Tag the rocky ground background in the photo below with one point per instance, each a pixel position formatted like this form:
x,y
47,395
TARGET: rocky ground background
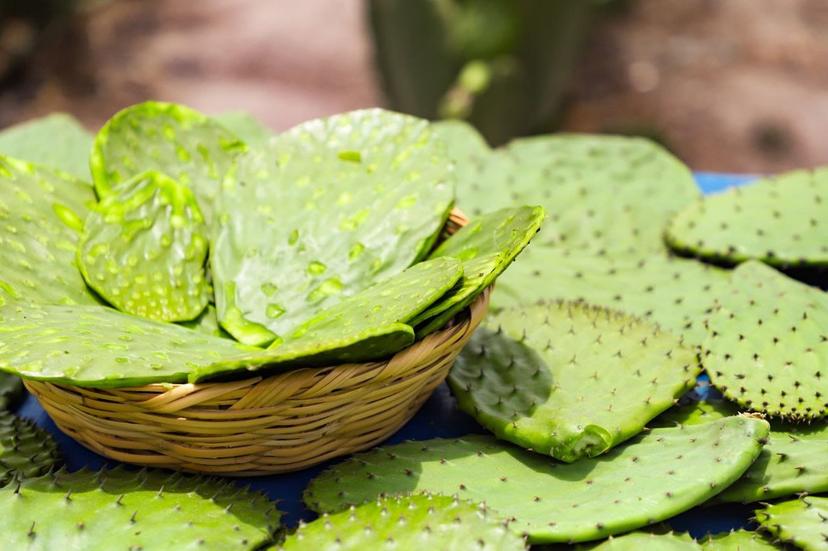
x,y
729,85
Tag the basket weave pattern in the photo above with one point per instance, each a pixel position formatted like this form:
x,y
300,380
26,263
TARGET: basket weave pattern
x,y
262,425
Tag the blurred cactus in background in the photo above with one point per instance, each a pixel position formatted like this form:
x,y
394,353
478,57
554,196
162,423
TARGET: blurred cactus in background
x,y
503,65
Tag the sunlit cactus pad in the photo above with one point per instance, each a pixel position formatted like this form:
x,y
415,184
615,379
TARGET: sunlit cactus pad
x,y
568,379
408,522
782,220
637,541
144,247
604,195
767,344
800,522
327,209
486,246
674,293
169,138
121,509
41,215
57,141
26,450
654,477
738,540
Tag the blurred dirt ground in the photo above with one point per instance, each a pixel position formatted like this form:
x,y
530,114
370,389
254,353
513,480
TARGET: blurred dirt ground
x,y
731,85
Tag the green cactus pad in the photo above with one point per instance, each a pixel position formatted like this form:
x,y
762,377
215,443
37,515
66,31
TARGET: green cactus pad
x,y
655,476
570,380
120,509
11,391
169,138
637,541
738,540
487,246
332,207
782,221
469,152
801,522
794,460
144,247
604,195
410,522
26,450
245,127
57,141
97,346
767,344
41,215
676,294
207,323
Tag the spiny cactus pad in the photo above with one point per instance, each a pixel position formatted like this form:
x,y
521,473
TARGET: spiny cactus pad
x,y
487,246
676,294
172,139
11,391
738,540
767,344
637,541
782,221
120,509
409,522
144,247
801,522
570,380
57,141
655,476
97,346
26,450
330,208
41,215
604,195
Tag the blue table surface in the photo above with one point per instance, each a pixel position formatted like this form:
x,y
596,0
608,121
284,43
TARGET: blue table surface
x,y
439,417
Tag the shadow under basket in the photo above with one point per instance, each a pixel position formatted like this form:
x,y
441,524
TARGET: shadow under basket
x,y
262,425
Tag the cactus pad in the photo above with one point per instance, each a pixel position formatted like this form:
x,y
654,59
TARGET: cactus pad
x,y
549,501
767,344
604,195
801,522
782,221
410,522
11,391
675,293
570,380
246,127
637,541
120,509
57,141
100,347
332,207
144,247
41,215
26,450
207,323
487,246
738,540
169,138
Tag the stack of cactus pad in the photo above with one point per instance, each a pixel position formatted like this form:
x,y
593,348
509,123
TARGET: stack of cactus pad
x,y
197,248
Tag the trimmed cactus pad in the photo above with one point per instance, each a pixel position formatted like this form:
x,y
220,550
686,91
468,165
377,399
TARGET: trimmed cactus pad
x,y
330,208
11,391
801,522
486,246
99,347
169,138
767,344
26,450
676,294
144,247
570,380
411,522
655,476
120,509
245,127
604,195
57,141
738,540
638,541
207,323
782,221
41,215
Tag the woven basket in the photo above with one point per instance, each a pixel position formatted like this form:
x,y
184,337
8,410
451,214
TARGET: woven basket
x,y
262,425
